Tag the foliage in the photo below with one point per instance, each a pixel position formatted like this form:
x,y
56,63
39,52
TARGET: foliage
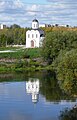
x,y
14,26
56,41
69,114
60,51
65,66
66,63
13,35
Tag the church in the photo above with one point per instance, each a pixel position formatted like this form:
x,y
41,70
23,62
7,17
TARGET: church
x,y
35,36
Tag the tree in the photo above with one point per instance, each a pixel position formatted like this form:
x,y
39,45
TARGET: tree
x,y
65,66
56,41
69,114
15,26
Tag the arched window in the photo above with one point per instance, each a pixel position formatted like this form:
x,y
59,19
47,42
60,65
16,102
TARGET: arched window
x,y
32,35
34,25
36,36
32,43
28,35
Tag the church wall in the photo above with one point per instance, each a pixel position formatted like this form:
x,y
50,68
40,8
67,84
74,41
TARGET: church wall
x,y
32,35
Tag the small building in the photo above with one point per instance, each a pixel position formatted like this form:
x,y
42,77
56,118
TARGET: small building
x,y
35,36
32,87
2,26
42,25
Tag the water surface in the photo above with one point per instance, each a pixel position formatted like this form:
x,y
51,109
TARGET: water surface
x,y
32,98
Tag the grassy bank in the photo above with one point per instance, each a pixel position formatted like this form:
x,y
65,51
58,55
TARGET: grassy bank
x,y
13,68
16,53
21,59
19,52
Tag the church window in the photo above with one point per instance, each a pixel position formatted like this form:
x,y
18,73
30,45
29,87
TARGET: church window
x,y
36,36
28,35
32,35
34,25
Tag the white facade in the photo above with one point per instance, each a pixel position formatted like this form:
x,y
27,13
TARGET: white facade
x,y
35,36
32,87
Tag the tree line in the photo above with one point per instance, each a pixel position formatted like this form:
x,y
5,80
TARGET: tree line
x,y
60,51
13,35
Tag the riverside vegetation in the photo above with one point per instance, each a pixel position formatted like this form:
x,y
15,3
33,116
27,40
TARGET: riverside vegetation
x,y
58,52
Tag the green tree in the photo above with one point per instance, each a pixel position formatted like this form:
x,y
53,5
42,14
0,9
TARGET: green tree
x,y
56,41
69,114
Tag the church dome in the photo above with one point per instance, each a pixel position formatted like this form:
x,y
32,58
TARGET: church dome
x,y
35,20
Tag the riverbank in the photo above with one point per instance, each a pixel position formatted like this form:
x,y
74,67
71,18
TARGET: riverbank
x,y
21,59
23,65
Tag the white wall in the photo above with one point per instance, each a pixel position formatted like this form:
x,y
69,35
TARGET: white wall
x,y
35,25
29,38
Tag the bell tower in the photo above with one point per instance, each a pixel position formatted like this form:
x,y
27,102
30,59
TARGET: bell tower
x,y
35,24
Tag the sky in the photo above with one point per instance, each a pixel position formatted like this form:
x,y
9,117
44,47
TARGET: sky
x,y
22,12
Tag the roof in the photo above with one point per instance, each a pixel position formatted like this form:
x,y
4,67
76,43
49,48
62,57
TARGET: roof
x,y
39,30
35,20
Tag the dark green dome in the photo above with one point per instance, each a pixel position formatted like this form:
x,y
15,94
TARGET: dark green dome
x,y
35,20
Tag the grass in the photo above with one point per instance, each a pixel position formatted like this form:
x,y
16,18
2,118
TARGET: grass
x,y
20,53
33,52
12,55
20,63
8,48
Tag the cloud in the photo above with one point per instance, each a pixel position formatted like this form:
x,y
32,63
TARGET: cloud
x,y
32,9
57,11
11,3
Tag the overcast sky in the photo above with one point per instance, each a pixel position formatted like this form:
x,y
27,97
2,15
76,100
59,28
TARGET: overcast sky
x,y
22,12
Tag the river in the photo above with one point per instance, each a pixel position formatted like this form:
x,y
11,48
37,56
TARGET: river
x,y
35,96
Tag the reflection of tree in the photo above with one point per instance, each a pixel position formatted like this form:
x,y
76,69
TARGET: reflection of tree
x,y
69,114
50,88
69,87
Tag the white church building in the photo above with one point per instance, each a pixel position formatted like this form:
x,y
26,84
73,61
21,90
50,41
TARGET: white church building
x,y
35,36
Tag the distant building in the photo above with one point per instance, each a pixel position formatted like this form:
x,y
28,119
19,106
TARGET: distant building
x,y
60,25
2,26
35,36
45,25
32,87
42,25
48,25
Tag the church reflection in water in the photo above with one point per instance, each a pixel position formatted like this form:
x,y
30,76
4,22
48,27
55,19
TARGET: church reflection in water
x,y
32,87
